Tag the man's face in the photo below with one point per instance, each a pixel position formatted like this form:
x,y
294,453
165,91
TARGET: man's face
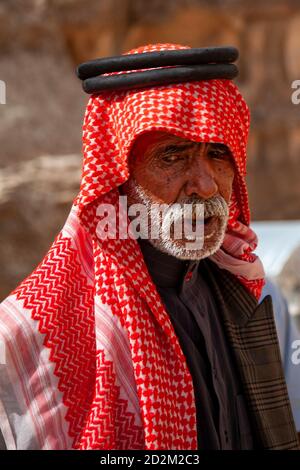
x,y
166,169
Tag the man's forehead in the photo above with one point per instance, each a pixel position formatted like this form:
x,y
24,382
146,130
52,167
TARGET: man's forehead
x,y
161,138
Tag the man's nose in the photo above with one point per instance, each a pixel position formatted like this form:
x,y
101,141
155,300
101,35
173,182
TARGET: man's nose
x,y
201,181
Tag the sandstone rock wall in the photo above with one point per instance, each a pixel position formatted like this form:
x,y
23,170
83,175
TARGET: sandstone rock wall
x,y
41,41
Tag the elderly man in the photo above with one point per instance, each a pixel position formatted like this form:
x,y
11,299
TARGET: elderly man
x,y
152,340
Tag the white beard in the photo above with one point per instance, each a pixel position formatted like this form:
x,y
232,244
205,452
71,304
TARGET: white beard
x,y
178,248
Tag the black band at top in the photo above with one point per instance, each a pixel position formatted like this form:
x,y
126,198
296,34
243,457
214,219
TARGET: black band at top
x,y
192,56
156,77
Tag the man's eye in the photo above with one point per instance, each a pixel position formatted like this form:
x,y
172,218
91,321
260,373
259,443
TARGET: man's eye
x,y
219,154
171,158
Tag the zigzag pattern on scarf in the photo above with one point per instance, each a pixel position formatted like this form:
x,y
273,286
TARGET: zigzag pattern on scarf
x,y
110,425
61,301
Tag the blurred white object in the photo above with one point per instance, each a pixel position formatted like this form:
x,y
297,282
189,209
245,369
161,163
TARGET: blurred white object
x,y
276,242
279,249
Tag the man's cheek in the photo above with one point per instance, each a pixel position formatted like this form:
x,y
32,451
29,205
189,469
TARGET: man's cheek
x,y
226,191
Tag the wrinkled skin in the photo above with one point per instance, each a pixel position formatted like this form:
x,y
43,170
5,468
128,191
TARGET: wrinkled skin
x,y
170,169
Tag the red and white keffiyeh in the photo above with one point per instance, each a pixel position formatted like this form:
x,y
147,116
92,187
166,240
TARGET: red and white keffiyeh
x,y
89,356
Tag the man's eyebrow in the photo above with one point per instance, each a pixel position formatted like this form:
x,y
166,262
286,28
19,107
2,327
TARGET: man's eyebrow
x,y
220,146
173,145
169,146
186,144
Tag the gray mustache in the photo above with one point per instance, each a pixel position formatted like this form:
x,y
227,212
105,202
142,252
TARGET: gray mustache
x,y
215,206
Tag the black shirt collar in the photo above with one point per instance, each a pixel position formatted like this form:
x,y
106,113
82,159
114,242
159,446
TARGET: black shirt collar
x,y
166,270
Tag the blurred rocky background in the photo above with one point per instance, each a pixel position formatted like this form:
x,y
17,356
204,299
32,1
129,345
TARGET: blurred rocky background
x,y
42,41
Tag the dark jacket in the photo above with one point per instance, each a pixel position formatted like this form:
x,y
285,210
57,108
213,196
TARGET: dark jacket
x,y
251,332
